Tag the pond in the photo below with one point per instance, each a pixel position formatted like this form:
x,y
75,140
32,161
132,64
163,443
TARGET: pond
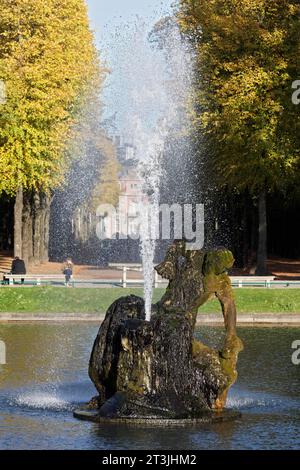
x,y
45,378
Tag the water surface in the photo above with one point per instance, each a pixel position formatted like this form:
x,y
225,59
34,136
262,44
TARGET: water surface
x,y
45,378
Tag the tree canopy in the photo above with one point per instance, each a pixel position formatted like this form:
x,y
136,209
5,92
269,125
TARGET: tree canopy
x,y
247,55
51,71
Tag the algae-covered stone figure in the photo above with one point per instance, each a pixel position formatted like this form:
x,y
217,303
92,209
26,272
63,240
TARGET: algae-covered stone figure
x,y
158,370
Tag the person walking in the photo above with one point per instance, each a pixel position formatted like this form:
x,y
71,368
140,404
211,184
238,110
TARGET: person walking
x,y
68,272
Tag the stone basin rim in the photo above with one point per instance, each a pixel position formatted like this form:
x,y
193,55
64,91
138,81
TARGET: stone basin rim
x,y
207,418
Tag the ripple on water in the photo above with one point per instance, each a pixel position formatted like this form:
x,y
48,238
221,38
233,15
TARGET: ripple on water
x,y
40,400
261,403
250,402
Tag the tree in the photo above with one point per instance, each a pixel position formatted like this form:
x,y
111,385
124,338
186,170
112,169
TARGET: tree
x,y
49,64
91,180
247,56
51,70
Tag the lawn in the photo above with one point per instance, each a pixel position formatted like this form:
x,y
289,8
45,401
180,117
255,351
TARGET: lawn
x,y
93,300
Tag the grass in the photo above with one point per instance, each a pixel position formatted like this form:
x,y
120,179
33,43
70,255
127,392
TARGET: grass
x,y
91,300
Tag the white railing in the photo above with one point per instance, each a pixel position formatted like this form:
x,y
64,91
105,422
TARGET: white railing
x,y
125,280
236,281
240,281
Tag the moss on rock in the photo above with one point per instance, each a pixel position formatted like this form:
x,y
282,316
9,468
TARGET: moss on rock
x,y
158,369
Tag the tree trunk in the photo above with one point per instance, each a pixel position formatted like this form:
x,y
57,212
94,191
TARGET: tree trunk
x,y
45,254
36,227
261,268
31,226
27,252
41,209
18,210
245,235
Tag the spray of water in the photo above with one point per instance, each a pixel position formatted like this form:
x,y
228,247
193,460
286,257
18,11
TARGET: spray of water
x,y
155,84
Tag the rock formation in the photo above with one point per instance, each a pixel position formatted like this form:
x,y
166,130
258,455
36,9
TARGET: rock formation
x,y
158,369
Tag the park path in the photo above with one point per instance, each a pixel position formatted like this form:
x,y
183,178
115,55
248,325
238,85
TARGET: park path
x,y
279,267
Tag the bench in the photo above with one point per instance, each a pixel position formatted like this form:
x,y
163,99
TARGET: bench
x,y
128,266
125,267
37,278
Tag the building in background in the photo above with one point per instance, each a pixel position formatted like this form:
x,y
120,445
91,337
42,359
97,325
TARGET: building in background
x,y
131,197
118,240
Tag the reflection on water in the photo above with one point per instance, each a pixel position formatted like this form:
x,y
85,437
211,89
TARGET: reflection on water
x,y
45,378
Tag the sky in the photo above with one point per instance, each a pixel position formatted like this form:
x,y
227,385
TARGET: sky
x,y
112,22
106,15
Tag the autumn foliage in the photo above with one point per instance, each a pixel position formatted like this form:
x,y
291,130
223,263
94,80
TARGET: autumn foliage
x,y
50,68
247,57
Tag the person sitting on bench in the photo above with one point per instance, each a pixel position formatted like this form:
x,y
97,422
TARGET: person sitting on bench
x,y
18,267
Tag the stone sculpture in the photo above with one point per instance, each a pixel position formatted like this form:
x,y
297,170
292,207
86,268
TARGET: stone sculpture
x,y
158,370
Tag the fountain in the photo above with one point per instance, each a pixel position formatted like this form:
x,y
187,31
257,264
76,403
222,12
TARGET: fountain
x,y
154,86
156,371
146,364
